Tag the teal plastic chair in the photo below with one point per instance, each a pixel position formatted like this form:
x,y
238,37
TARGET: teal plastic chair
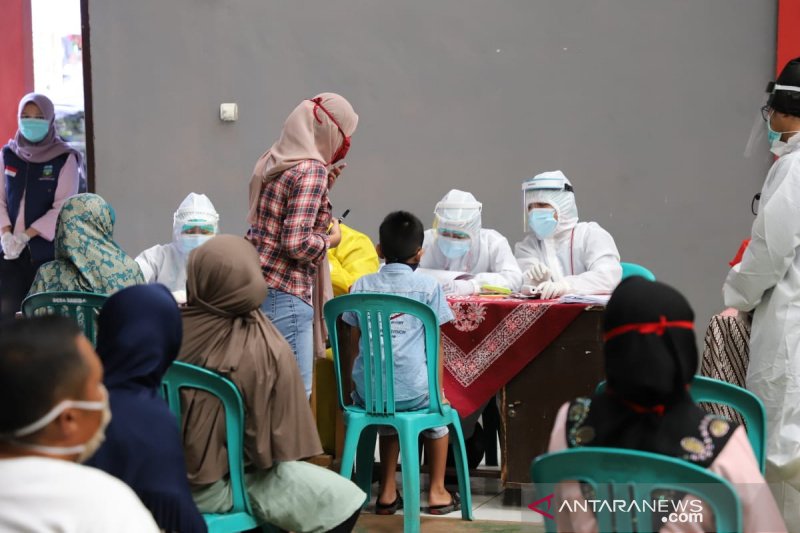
x,y
374,312
185,376
82,307
705,389
633,476
632,269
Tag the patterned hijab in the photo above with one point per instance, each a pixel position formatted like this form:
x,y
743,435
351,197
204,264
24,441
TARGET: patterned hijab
x,y
651,359
87,258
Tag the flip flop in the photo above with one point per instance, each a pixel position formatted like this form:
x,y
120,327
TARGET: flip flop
x,y
389,508
454,505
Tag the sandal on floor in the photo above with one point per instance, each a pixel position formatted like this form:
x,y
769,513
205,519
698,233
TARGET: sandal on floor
x,y
454,505
389,508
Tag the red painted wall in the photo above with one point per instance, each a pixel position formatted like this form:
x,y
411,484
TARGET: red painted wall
x,y
788,32
16,43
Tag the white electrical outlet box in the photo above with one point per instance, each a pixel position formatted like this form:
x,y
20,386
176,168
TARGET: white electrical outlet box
x,y
228,112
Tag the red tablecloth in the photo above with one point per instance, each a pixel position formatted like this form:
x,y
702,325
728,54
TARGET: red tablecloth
x,y
491,340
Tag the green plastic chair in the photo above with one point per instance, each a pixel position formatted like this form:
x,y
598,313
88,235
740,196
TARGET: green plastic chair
x,y
82,307
185,376
374,312
632,269
633,476
705,389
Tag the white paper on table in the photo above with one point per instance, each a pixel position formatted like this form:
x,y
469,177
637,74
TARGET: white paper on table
x,y
443,276
594,299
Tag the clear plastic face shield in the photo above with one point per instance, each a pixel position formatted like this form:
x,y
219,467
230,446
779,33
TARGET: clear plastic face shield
x,y
532,190
457,224
192,227
758,133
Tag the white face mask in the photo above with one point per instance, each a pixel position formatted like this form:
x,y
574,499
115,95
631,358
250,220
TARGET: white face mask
x,y
85,450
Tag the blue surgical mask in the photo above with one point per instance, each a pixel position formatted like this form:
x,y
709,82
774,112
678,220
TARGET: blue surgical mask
x,y
188,243
453,248
34,129
772,135
542,220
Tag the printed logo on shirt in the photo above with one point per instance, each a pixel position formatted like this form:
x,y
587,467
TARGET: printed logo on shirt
x,y
11,171
47,173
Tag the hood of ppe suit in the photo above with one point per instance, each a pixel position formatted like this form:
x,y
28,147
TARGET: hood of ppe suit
x,y
197,210
460,212
548,188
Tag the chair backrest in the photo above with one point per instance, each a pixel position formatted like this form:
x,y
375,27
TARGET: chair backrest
x,y
185,376
374,312
82,307
705,389
632,269
633,476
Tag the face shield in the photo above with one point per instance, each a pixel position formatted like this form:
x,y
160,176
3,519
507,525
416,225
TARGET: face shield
x,y
783,101
554,189
457,223
195,222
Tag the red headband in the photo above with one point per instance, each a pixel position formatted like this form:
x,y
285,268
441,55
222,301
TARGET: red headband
x,y
648,328
318,104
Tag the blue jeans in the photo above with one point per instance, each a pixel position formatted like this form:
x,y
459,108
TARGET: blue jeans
x,y
294,318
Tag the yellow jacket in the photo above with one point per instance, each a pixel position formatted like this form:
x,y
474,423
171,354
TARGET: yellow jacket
x,y
354,257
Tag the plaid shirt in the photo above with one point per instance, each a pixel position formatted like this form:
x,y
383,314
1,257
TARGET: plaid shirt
x,y
290,233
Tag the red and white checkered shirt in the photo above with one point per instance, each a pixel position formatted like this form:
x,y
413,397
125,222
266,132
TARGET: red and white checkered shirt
x,y
290,233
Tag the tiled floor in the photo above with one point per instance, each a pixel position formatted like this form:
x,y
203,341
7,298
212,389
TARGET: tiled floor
x,y
493,508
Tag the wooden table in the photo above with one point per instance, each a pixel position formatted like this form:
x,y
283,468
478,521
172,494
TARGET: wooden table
x,y
569,367
534,356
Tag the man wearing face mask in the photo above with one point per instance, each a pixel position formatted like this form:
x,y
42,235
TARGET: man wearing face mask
x,y
461,255
55,416
767,281
194,223
561,255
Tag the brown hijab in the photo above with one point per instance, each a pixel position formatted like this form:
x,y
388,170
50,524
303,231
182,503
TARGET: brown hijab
x,y
308,133
225,331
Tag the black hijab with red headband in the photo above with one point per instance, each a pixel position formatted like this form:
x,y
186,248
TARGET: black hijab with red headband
x,y
650,359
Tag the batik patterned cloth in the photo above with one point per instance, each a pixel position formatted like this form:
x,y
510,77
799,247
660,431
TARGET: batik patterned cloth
x,y
87,258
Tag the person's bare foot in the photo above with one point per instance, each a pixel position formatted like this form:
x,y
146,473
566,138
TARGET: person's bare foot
x,y
437,497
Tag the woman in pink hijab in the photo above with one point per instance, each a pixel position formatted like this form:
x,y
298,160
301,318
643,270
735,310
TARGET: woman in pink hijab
x,y
40,172
290,215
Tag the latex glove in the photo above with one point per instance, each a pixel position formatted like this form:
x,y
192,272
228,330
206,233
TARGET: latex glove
x,y
8,242
537,273
461,287
22,241
553,289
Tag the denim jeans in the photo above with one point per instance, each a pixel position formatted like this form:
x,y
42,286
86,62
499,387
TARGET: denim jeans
x,y
294,318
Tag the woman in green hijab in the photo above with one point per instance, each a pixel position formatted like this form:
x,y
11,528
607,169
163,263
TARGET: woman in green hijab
x,y
87,258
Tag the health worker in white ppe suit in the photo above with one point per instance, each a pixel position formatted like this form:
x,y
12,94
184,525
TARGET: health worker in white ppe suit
x,y
461,255
561,255
767,281
195,222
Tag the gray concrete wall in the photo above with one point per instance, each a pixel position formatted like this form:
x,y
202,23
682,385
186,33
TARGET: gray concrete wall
x,y
645,104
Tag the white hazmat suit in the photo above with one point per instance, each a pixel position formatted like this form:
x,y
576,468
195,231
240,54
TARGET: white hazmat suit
x,y
768,281
578,257
166,263
486,257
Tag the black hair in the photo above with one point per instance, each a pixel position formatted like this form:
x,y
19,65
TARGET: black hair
x,y
400,236
40,365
